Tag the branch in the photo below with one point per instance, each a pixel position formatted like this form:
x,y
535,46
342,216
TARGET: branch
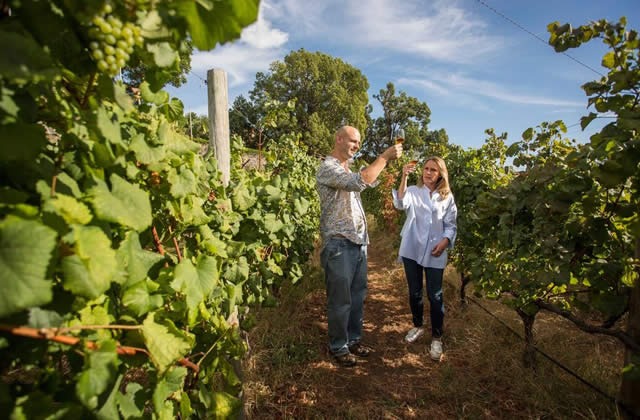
x,y
157,240
592,329
46,334
86,93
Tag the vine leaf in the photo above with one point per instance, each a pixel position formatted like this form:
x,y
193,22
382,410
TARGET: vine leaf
x,y
196,282
21,141
135,261
165,342
23,60
90,271
25,252
220,23
70,209
99,371
172,382
182,183
125,204
144,152
132,402
163,54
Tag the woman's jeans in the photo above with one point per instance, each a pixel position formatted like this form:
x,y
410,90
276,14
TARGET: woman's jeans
x,y
345,274
413,271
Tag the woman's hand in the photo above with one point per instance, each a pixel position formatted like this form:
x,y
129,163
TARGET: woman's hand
x,y
407,169
440,247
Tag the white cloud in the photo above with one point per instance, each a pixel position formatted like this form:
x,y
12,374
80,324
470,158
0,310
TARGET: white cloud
x,y
460,86
259,46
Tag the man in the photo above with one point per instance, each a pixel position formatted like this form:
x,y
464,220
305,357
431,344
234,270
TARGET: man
x,y
344,241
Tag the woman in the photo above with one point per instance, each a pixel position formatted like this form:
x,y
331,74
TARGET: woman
x,y
429,230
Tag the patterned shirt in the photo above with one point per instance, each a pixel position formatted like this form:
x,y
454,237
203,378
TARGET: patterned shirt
x,y
342,211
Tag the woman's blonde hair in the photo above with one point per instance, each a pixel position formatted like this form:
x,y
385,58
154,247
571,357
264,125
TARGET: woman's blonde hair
x,y
442,186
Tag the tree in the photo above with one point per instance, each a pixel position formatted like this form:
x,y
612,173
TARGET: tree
x,y
328,93
399,111
244,117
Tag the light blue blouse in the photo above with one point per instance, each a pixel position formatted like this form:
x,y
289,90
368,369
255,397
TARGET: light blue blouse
x,y
429,220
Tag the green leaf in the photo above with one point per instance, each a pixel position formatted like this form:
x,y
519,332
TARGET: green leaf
x,y
125,204
159,98
242,198
585,121
139,301
163,54
99,372
222,23
90,271
172,382
225,405
196,282
21,142
109,409
23,60
166,343
40,318
185,406
239,272
109,126
174,109
132,402
211,243
70,209
274,194
134,260
25,252
145,153
182,183
609,60
272,223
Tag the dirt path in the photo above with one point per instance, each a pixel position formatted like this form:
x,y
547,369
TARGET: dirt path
x,y
293,376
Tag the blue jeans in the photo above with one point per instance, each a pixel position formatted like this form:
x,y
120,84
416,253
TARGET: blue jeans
x,y
413,270
345,274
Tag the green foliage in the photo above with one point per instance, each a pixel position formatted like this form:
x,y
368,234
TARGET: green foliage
x,y
93,186
399,111
328,93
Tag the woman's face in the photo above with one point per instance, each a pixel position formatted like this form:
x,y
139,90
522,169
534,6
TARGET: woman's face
x,y
430,174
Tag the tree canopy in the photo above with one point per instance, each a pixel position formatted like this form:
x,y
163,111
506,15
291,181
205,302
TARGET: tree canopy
x,y
327,93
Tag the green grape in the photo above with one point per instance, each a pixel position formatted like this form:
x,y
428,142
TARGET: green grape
x,y
98,21
110,59
107,8
115,31
113,69
121,54
94,45
110,39
97,54
121,63
130,40
129,50
126,32
139,40
102,65
122,44
109,50
114,21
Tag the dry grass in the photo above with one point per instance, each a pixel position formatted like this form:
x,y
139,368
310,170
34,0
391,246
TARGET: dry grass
x,y
289,373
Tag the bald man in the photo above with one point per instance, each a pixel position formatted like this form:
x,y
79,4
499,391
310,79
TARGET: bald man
x,y
343,227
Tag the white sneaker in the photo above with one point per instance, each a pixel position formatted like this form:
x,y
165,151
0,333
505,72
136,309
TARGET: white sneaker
x,y
436,349
414,334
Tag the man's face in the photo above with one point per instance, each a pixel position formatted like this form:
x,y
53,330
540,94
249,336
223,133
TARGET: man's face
x,y
349,143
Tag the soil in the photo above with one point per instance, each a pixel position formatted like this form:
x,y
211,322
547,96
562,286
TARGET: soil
x,y
475,378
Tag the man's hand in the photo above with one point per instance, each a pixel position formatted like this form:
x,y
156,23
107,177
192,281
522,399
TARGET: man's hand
x,y
440,247
394,152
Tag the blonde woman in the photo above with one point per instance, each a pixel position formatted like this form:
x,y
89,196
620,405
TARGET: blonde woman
x,y
430,229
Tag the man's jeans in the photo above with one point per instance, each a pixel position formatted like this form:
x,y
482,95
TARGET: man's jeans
x,y
413,270
345,273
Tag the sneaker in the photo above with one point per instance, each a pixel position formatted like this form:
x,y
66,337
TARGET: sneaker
x,y
436,349
346,360
360,350
414,334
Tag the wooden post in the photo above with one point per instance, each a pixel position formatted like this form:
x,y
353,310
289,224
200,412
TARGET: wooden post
x,y
219,121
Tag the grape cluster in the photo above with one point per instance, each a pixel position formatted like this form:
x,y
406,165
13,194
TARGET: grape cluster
x,y
112,41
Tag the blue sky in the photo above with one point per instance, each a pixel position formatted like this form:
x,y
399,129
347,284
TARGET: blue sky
x,y
472,67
